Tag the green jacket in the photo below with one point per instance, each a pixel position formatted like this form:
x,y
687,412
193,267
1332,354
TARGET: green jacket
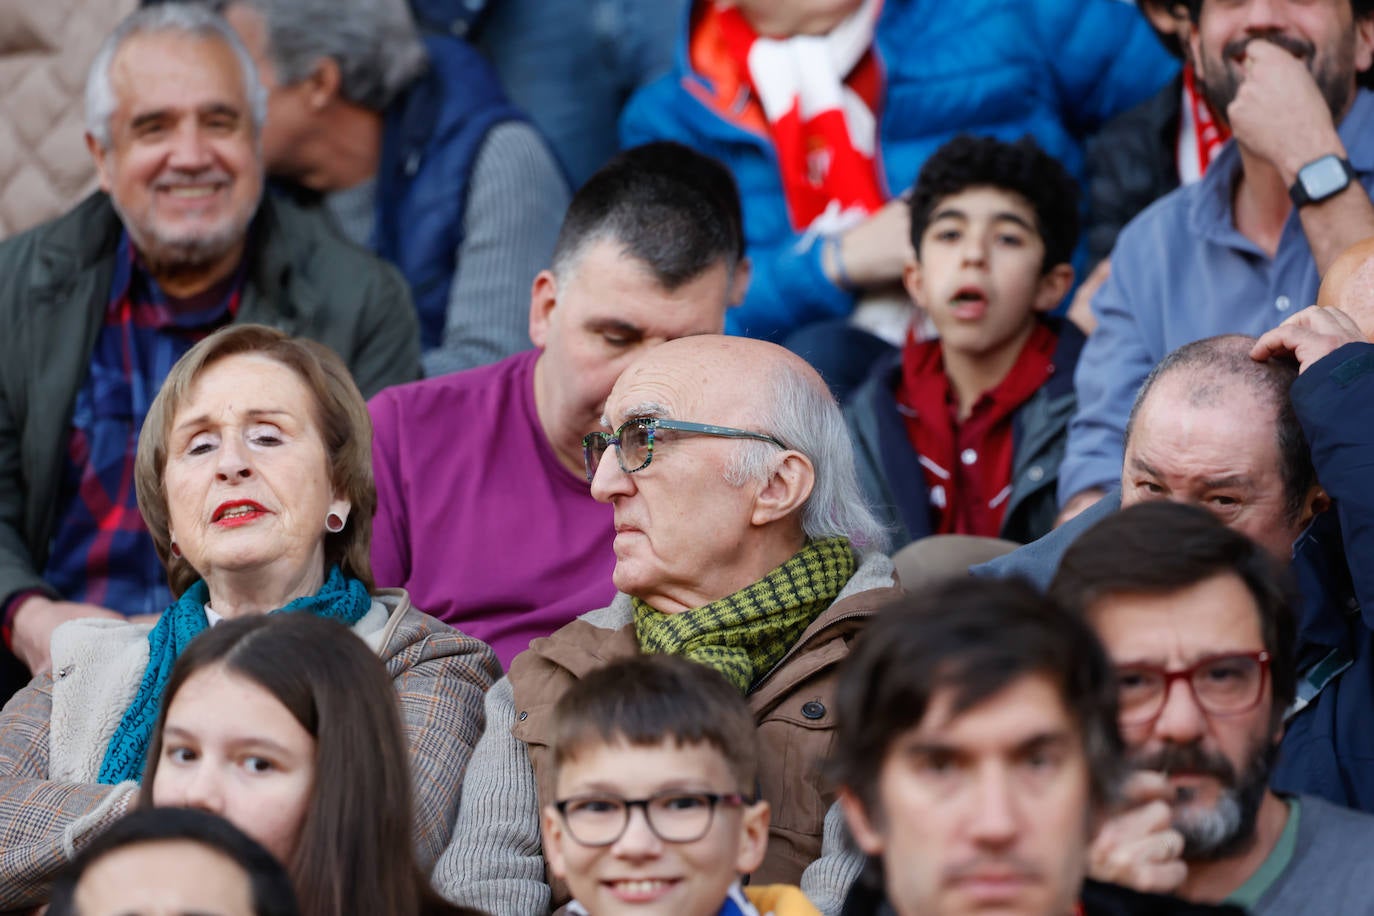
x,y
54,289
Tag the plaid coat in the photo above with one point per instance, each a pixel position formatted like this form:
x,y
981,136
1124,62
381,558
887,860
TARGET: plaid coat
x,y
53,734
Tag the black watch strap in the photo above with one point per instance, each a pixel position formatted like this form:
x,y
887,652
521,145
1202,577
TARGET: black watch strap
x,y
1325,186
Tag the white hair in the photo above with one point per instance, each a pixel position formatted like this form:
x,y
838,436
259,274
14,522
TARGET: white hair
x,y
804,417
373,42
192,19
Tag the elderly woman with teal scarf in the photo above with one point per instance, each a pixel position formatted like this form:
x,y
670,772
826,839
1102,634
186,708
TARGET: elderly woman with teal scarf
x,y
254,477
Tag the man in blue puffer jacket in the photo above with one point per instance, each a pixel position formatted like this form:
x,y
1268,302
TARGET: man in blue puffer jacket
x,y
929,69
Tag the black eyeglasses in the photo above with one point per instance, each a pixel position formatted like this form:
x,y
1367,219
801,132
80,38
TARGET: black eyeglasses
x,y
674,816
1223,685
634,441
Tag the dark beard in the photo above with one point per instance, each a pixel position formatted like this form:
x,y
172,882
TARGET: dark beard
x,y
1239,804
1220,81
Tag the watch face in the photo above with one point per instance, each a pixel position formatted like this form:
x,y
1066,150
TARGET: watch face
x,y
1323,178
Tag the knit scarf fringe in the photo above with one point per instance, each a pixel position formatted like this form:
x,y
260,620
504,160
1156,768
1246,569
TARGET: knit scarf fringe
x,y
745,634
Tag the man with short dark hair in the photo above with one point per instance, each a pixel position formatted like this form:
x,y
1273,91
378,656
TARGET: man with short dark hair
x,y
977,750
483,509
1247,244
1200,627
170,862
98,304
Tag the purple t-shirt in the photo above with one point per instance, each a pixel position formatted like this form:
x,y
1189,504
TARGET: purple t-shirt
x,y
476,517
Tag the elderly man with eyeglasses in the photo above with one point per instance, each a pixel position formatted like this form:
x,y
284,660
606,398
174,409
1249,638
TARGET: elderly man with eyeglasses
x,y
741,542
1199,623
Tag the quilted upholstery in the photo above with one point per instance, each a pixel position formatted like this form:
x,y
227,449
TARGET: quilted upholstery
x,y
46,47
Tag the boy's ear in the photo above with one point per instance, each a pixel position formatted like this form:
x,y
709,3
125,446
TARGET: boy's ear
x,y
1053,287
551,828
911,281
753,839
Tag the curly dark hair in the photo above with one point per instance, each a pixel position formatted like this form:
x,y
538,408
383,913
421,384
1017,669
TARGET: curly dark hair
x,y
1022,167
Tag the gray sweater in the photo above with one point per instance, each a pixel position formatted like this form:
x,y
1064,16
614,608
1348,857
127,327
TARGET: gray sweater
x,y
1329,870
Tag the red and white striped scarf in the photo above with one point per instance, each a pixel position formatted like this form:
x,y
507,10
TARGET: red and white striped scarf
x,y
812,90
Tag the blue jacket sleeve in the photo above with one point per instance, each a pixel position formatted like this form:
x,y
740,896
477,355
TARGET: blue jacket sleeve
x,y
1334,401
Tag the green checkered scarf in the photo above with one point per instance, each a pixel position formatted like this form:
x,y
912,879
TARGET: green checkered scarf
x,y
745,634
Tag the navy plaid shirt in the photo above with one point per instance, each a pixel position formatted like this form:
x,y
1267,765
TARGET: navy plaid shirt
x,y
102,553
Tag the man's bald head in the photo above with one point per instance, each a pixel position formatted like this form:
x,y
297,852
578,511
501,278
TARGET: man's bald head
x,y
1349,285
763,387
1208,373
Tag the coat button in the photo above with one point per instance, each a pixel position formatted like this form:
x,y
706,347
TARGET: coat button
x,y
523,716
1035,473
813,709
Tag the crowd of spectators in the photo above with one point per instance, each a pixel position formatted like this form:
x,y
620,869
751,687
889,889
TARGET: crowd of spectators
x,y
931,488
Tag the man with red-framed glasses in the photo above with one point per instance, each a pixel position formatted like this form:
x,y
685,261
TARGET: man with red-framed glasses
x,y
1198,621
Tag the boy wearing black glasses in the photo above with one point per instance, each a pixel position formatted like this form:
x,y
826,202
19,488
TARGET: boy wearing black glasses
x,y
655,804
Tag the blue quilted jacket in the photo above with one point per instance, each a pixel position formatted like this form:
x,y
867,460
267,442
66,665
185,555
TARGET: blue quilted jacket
x,y
430,142
1054,69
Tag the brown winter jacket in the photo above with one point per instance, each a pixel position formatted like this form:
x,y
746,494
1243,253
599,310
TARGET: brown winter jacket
x,y
794,706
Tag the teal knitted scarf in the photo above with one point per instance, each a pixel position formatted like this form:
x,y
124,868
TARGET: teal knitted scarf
x,y
340,598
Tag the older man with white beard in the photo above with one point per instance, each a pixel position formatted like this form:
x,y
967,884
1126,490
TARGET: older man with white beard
x,y
1199,623
98,304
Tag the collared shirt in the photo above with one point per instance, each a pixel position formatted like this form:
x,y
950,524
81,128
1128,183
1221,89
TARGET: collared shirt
x,y
101,552
967,463
1181,271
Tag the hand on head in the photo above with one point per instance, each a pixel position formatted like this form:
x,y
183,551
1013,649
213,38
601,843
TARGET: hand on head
x,y
1308,336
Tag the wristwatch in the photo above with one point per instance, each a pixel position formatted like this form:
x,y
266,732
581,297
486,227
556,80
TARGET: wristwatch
x,y
1320,179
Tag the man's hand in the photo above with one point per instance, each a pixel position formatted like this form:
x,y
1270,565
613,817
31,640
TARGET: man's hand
x,y
1137,847
1080,501
875,251
1308,336
1279,113
36,618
